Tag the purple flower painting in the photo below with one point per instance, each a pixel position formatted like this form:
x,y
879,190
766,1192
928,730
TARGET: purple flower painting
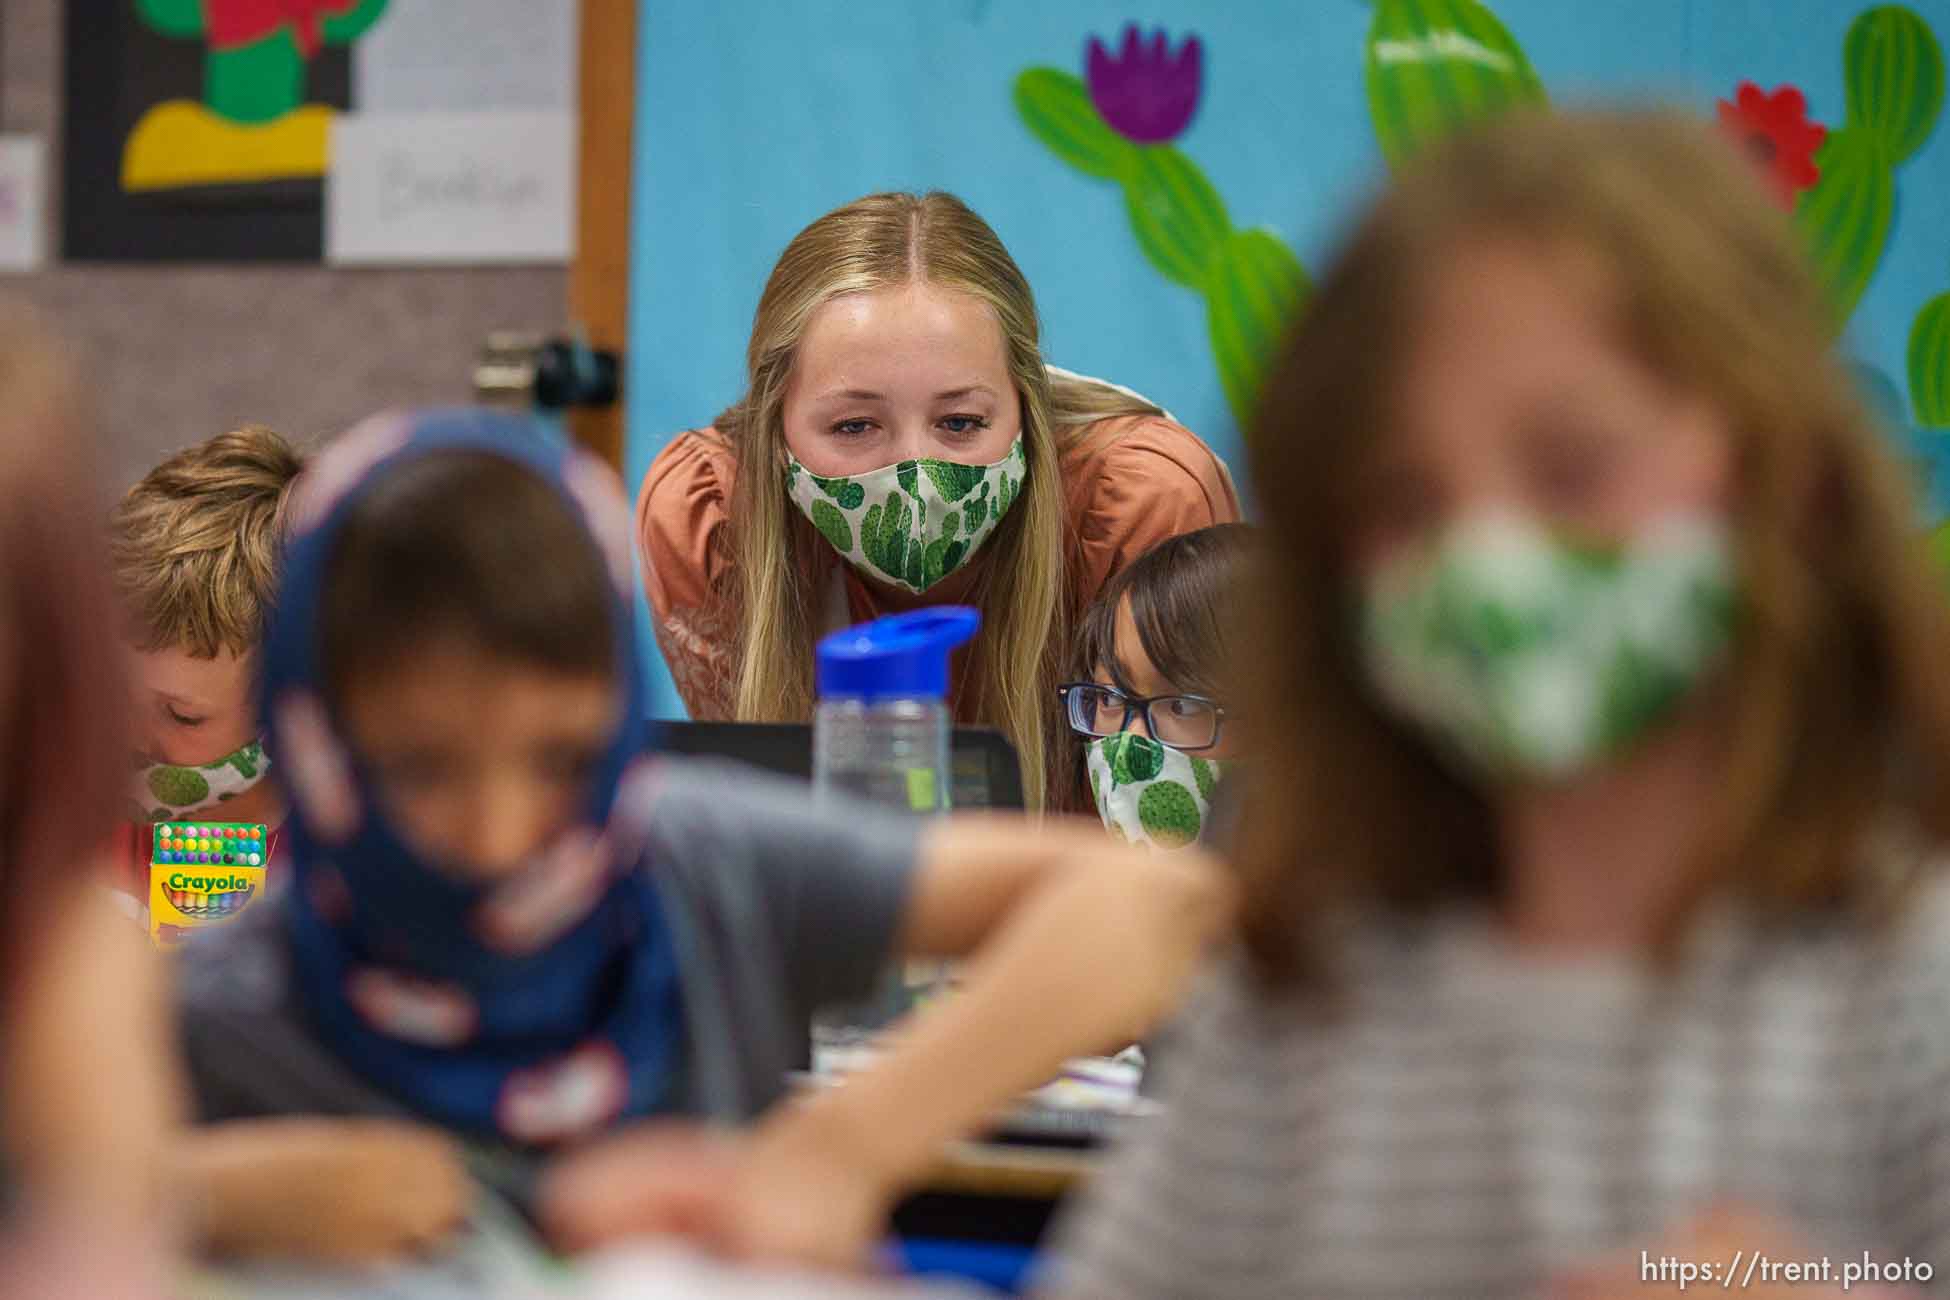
x,y
1146,92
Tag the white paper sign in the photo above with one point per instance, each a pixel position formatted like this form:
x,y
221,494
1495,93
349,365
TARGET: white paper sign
x,y
23,201
450,189
446,56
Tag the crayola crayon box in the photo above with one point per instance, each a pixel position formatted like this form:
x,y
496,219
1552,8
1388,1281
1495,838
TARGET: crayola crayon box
x,y
202,873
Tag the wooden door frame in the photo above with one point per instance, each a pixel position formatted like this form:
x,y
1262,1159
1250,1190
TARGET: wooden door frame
x,y
599,274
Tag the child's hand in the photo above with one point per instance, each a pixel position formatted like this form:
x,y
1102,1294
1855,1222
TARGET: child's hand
x,y
783,1194
332,1190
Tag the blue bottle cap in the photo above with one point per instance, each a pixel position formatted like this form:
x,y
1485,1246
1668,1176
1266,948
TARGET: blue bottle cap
x,y
900,655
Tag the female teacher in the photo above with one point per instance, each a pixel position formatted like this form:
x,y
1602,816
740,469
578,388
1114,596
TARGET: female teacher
x,y
902,443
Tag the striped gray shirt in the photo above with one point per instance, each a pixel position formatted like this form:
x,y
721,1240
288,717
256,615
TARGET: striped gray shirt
x,y
1472,1121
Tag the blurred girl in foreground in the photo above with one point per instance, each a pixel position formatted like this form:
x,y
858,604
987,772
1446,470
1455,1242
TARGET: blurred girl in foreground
x,y
1602,761
86,1097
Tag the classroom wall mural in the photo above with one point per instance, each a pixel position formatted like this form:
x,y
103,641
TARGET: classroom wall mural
x,y
1167,172
1428,68
1118,126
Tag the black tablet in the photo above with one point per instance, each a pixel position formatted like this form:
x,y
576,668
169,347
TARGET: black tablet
x,y
986,772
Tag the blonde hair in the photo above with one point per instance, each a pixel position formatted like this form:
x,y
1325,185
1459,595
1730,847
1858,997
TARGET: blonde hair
x,y
195,544
877,242
1839,701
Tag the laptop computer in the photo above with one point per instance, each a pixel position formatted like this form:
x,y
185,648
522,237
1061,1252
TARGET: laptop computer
x,y
985,772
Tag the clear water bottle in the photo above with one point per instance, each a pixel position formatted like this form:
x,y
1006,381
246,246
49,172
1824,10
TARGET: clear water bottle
x,y
881,732
882,727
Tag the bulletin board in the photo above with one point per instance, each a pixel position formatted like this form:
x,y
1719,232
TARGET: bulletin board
x,y
1170,175
360,132
176,352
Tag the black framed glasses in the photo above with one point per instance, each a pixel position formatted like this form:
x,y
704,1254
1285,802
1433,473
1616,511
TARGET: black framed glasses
x,y
1181,721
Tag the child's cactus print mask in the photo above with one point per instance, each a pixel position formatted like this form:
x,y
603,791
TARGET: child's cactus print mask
x,y
1148,793
1533,658
914,522
166,791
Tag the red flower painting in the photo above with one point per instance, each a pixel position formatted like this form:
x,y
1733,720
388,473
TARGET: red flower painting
x,y
1775,129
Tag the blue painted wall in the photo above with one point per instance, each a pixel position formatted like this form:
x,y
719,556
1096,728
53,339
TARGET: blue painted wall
x,y
753,118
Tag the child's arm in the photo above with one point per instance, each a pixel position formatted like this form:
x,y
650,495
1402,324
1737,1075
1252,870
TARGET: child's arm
x,y
975,869
88,1103
1088,945
334,1190
1078,945
87,1077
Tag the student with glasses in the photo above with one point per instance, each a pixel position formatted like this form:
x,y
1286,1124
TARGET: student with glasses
x,y
1154,708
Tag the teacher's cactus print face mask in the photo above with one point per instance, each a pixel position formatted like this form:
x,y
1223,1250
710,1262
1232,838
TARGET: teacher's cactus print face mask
x,y
914,522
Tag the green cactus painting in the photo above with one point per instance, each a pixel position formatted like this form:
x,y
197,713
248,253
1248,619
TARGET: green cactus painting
x,y
1892,69
1117,124
1895,93
1894,85
1841,187
1928,438
1431,66
1929,364
1434,65
253,123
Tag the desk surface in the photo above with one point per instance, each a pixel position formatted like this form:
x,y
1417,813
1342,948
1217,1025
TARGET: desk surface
x,y
641,1272
986,1168
499,1258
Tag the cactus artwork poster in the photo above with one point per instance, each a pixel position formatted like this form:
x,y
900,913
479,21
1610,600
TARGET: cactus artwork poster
x,y
253,121
203,129
196,129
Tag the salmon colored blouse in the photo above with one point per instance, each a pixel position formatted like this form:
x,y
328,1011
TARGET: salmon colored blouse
x,y
1129,483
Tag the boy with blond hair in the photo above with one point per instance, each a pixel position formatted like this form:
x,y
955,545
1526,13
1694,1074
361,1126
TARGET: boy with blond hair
x,y
195,548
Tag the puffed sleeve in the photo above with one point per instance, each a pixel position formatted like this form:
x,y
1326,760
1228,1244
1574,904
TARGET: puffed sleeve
x,y
684,546
1132,482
